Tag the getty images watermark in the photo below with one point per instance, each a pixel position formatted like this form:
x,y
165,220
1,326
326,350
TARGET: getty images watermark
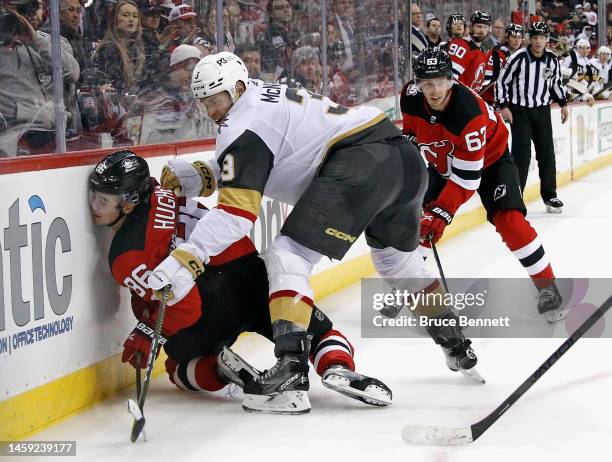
x,y
398,300
503,308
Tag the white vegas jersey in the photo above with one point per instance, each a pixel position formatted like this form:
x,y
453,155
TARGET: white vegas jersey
x,y
298,128
273,141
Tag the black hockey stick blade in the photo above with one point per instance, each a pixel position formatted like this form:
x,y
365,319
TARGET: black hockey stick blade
x,y
451,436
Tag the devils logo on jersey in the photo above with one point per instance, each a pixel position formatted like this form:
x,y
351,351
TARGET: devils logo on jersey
x,y
478,78
439,155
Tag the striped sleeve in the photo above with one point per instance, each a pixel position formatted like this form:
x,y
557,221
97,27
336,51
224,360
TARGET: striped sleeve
x,y
507,75
557,89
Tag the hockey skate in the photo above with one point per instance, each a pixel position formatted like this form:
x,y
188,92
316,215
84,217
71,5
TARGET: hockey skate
x,y
360,387
457,350
549,304
554,205
233,369
281,389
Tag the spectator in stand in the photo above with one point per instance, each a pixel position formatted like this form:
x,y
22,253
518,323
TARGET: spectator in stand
x,y
306,70
70,29
280,39
418,38
344,29
156,56
517,16
339,82
434,31
591,16
251,57
121,55
497,35
586,33
184,20
27,112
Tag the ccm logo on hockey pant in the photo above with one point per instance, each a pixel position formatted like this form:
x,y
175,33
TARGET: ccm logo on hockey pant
x,y
340,235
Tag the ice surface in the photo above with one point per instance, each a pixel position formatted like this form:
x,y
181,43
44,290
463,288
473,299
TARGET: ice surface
x,y
564,417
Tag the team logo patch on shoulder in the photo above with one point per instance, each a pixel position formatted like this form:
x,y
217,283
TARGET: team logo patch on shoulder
x,y
548,73
499,192
412,90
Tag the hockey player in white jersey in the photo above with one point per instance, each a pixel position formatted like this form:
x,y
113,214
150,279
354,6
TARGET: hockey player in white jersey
x,y
344,171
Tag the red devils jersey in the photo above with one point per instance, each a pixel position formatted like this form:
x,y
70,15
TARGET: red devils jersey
x,y
497,59
469,62
459,143
144,240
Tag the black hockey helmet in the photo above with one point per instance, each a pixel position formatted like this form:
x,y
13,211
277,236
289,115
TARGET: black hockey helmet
x,y
480,17
431,63
122,173
538,28
454,19
514,29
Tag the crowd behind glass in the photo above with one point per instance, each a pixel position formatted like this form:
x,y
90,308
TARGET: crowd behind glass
x,y
126,65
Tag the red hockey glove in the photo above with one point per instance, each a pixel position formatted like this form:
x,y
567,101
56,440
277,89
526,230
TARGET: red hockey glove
x,y
434,220
140,341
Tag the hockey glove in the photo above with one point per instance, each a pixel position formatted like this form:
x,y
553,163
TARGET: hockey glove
x,y
139,341
434,220
179,270
190,180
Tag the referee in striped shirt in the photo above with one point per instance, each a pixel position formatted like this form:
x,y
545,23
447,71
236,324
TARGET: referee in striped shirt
x,y
527,85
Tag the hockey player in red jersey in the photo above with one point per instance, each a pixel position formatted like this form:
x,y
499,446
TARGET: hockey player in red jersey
x,y
497,60
469,59
455,26
229,298
466,146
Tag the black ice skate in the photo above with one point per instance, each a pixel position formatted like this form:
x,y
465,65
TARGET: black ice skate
x,y
282,389
233,369
360,387
549,304
554,205
461,357
459,354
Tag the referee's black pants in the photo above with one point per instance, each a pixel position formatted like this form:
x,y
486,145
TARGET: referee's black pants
x,y
534,124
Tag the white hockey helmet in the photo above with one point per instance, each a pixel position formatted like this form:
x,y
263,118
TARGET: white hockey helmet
x,y
604,50
217,73
583,43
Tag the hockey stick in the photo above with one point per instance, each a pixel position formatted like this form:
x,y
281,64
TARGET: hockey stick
x,y
452,436
437,257
138,375
137,410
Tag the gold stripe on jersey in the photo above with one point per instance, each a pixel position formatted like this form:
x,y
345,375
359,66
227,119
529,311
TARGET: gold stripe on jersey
x,y
248,200
288,309
351,132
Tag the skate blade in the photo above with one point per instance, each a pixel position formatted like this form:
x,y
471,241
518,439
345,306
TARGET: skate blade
x,y
288,402
554,316
342,386
473,374
550,209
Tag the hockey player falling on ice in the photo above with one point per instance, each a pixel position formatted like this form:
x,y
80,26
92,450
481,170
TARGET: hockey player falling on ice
x,y
469,59
229,298
344,171
466,146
